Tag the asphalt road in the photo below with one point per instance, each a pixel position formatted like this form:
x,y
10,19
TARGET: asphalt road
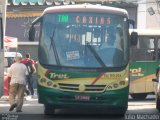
x,y
141,109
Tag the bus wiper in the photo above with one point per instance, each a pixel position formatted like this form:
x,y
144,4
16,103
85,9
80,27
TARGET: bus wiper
x,y
53,46
95,54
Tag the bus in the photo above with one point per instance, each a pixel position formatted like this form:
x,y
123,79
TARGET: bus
x,y
75,68
145,58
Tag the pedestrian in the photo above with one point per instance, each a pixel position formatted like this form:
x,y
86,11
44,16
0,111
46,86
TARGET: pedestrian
x,y
17,80
158,72
30,64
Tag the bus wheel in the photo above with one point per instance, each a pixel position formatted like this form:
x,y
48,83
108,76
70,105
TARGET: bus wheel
x,y
139,96
158,103
121,114
49,109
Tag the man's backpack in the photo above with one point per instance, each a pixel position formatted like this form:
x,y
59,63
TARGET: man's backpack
x,y
29,67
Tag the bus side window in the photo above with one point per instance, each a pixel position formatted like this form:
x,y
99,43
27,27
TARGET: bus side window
x,y
151,49
144,50
137,52
158,49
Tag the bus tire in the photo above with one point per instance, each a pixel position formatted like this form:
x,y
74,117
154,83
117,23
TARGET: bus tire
x,y
158,103
139,96
121,114
49,109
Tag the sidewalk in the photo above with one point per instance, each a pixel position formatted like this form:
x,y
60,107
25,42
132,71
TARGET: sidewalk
x,y
30,106
26,98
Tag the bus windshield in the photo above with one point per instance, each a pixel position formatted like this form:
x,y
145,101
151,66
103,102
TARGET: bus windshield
x,y
84,40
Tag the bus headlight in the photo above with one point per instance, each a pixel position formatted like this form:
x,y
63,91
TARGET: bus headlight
x,y
122,83
115,85
109,87
39,76
49,83
55,85
43,80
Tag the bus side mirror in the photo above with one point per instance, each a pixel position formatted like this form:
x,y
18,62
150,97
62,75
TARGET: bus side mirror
x,y
32,33
155,80
134,38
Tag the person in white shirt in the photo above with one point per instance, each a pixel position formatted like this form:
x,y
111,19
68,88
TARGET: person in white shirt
x,y
113,51
17,80
110,42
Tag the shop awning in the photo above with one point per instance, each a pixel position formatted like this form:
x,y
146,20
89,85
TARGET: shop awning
x,y
10,42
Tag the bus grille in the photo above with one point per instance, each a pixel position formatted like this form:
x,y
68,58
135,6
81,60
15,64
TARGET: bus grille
x,y
76,88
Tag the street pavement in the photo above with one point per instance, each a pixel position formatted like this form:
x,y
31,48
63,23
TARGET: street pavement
x,y
31,106
28,103
33,110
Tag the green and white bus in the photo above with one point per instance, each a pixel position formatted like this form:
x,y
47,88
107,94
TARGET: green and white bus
x,y
75,69
145,58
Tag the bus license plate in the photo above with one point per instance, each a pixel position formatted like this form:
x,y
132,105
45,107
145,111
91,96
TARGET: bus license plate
x,y
82,97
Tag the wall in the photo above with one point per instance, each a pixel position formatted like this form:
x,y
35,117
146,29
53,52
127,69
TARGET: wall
x,y
153,21
145,20
19,27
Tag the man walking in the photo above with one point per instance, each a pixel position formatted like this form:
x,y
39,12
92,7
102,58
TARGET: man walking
x,y
17,80
31,69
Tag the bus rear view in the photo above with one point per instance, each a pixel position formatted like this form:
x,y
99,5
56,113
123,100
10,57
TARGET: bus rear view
x,y
83,57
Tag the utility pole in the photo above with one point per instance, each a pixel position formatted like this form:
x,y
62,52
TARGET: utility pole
x,y
3,4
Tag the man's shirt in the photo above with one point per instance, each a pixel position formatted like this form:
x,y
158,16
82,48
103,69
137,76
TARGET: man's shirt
x,y
25,60
18,73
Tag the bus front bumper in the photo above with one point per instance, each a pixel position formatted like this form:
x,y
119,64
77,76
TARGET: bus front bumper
x,y
61,99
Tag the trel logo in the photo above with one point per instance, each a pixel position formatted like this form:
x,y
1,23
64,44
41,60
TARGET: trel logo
x,y
53,75
136,72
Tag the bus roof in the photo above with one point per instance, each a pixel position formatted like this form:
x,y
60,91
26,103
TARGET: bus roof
x,y
86,7
146,32
11,54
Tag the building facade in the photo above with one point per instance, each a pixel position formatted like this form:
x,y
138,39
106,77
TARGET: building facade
x,y
153,20
148,14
